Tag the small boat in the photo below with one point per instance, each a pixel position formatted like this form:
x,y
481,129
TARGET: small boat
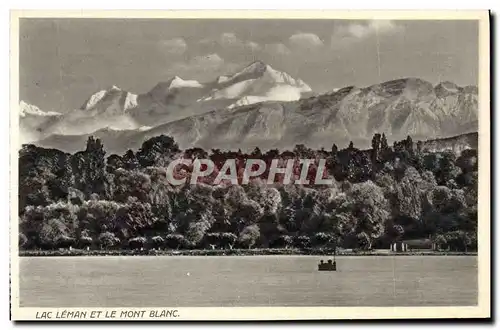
x,y
327,266
330,265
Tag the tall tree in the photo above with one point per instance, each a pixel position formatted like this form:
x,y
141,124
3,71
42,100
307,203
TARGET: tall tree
x,y
89,168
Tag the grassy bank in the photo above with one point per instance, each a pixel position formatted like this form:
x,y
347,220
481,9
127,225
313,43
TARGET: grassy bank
x,y
234,252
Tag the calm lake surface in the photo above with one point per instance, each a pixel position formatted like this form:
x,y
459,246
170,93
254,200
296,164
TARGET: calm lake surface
x,y
247,281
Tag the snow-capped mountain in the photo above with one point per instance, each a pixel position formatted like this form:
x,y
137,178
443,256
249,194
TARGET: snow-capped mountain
x,y
31,118
258,82
26,110
397,108
178,82
176,99
107,98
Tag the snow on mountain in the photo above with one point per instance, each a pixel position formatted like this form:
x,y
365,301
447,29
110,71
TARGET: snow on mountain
x,y
175,99
221,79
260,69
260,106
111,97
26,109
31,118
130,101
178,82
397,108
105,108
278,93
258,83
92,101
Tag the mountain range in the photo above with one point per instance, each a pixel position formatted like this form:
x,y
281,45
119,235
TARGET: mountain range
x,y
257,106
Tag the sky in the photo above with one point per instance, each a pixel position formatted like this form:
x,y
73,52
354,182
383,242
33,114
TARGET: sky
x,y
64,61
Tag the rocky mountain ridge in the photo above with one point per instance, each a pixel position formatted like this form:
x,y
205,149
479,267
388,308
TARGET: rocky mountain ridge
x,y
260,106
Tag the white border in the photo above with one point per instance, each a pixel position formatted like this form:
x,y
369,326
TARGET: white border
x,y
290,313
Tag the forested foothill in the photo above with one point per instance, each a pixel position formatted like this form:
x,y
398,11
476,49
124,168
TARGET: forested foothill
x,y
379,196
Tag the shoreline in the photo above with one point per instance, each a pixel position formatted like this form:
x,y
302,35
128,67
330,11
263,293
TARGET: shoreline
x,y
234,252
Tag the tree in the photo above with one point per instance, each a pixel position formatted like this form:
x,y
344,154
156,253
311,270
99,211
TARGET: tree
x,y
431,162
364,241
302,242
467,161
228,240
45,175
383,143
394,232
133,219
157,242
406,201
75,196
175,241
128,184
321,239
458,240
384,194
269,199
196,230
85,241
213,240
157,151
419,146
440,241
23,241
283,241
161,205
97,216
375,152
64,241
249,236
335,149
130,161
446,201
472,236
367,204
137,242
108,240
52,231
256,152
247,214
448,171
89,168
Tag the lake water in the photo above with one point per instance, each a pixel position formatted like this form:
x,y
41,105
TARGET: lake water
x,y
247,281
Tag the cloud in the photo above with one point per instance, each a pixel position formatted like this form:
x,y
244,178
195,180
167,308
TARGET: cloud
x,y
200,63
284,93
203,65
175,46
253,46
229,40
277,49
209,60
356,31
305,41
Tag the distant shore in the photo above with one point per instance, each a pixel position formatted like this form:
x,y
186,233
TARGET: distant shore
x,y
234,252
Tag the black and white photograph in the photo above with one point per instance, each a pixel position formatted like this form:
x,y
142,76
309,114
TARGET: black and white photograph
x,y
175,167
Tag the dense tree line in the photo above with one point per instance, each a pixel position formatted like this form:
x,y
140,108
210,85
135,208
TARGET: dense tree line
x,y
379,196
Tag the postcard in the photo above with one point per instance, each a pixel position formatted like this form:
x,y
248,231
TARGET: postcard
x,y
250,165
